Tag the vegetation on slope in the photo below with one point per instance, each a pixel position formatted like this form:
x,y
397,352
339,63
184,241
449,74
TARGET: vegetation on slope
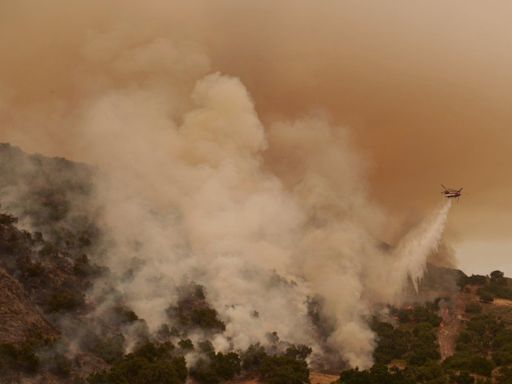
x,y
407,352
47,275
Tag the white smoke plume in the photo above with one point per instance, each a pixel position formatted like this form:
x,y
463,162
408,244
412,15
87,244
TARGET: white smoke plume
x,y
262,218
195,188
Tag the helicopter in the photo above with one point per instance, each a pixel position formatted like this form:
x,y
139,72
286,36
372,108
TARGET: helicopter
x,y
451,193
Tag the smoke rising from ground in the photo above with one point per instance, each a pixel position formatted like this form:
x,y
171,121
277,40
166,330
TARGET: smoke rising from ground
x,y
195,186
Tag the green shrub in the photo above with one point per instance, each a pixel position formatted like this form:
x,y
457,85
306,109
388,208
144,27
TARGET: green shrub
x,y
419,314
474,363
206,347
504,375
463,378
205,318
253,358
393,342
193,311
30,268
148,364
481,366
110,348
378,374
213,367
65,300
502,358
299,352
18,358
283,369
48,249
186,344
82,267
485,296
496,275
60,365
6,219
124,315
473,308
476,280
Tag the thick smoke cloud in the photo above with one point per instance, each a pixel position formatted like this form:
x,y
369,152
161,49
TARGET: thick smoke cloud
x,y
200,183
423,88
193,200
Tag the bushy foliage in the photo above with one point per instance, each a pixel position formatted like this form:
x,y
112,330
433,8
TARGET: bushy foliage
x,y
465,361
211,367
214,368
482,336
424,346
253,357
65,300
473,308
148,364
298,352
487,335
6,219
289,367
56,362
426,313
496,285
108,348
463,377
393,342
83,268
186,344
123,315
485,296
497,275
49,249
432,373
499,286
473,280
479,334
416,345
18,358
484,343
193,311
29,268
284,369
378,374
504,375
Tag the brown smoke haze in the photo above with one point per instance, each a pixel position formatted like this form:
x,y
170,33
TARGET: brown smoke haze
x,y
288,136
425,87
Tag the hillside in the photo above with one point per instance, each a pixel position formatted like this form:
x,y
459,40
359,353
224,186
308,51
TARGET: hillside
x,y
62,322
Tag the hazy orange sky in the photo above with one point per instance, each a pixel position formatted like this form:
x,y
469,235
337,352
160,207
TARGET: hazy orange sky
x,y
425,87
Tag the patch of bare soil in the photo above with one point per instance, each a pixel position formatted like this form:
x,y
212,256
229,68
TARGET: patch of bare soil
x,y
451,315
502,302
322,378
314,378
19,318
244,381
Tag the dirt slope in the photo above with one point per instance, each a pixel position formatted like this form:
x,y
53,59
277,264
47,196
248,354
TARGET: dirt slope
x,y
19,318
314,377
451,315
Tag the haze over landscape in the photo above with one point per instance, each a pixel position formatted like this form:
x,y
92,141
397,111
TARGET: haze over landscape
x,y
424,88
280,162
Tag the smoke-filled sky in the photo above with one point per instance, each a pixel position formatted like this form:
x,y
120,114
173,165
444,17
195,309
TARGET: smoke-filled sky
x,y
266,149
423,87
